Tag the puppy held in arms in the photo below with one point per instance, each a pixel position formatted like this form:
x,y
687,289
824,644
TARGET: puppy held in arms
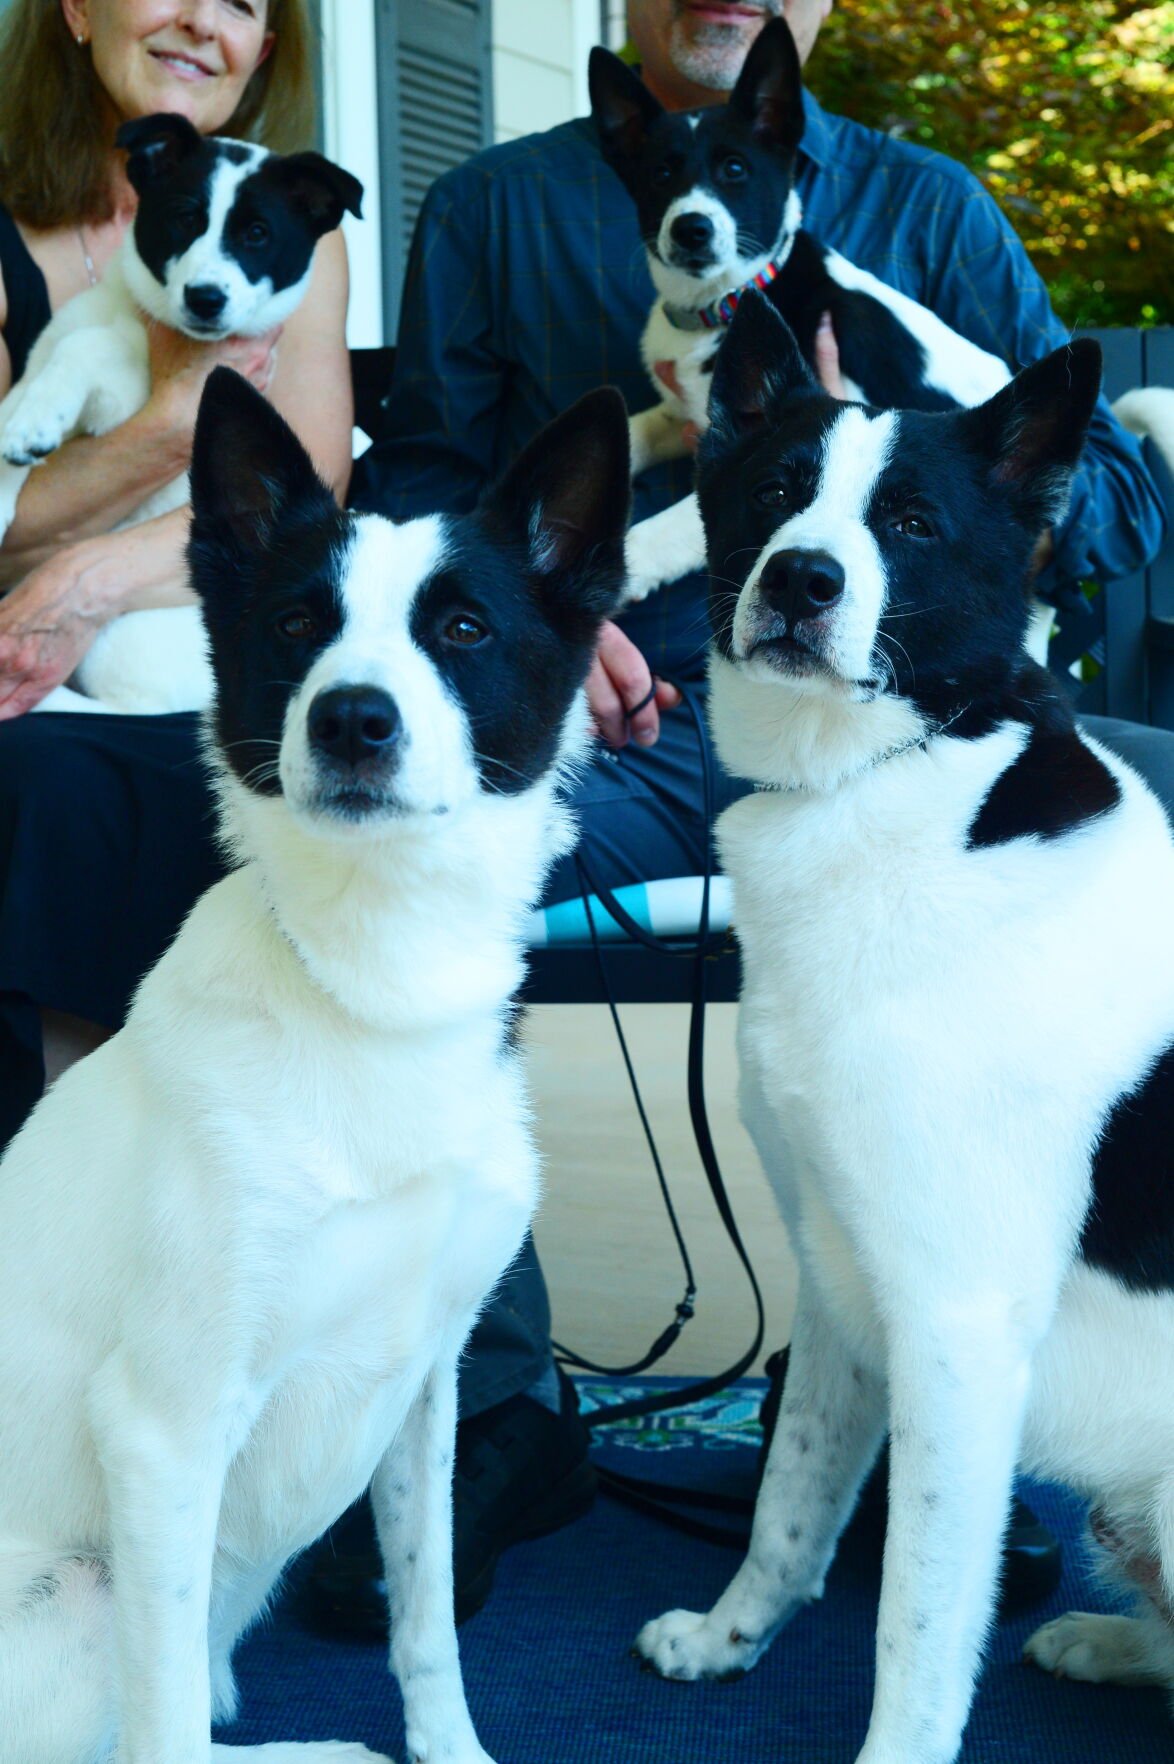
x,y
969,1132
222,244
242,1245
719,212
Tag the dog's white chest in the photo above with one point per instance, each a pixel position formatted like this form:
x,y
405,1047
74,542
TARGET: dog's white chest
x,y
367,1294
680,364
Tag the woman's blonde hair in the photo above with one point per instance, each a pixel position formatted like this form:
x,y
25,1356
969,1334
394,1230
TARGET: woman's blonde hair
x,y
54,122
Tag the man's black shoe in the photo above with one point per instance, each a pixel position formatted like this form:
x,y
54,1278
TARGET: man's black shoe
x,y
1032,1558
521,1471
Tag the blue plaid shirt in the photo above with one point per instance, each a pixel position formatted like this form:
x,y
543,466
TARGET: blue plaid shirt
x,y
527,286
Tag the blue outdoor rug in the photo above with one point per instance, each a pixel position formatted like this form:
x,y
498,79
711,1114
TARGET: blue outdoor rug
x,y
550,1679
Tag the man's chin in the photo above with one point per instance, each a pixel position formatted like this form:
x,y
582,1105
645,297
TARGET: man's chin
x,y
709,49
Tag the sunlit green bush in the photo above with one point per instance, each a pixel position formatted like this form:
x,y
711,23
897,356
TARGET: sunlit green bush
x,y
1065,111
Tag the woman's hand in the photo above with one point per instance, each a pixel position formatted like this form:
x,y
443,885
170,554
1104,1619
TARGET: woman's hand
x,y
180,366
625,700
47,623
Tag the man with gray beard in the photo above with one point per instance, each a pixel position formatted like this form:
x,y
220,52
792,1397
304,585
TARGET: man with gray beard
x,y
691,50
527,287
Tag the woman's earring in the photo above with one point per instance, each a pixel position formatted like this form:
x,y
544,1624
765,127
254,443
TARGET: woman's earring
x,y
81,39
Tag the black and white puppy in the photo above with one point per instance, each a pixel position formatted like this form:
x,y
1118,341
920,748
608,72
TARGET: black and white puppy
x,y
969,1133
242,1245
221,245
719,212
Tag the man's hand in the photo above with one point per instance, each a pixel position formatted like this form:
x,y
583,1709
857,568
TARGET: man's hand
x,y
827,372
625,700
827,360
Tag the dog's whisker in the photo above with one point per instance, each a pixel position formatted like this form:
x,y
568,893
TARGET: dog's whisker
x,y
501,765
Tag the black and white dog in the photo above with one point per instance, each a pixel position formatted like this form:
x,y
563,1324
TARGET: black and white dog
x,y
242,1245
221,245
970,1131
718,211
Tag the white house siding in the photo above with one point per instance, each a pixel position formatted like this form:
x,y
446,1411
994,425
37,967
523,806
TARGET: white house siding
x,y
540,50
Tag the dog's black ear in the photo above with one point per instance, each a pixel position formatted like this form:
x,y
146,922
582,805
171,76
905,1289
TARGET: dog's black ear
x,y
759,368
565,500
1033,431
622,107
156,145
769,90
248,472
318,189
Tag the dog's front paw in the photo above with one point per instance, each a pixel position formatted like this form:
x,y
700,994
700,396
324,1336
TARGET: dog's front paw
x,y
663,548
28,434
1095,1649
643,564
689,1645
477,1757
304,1752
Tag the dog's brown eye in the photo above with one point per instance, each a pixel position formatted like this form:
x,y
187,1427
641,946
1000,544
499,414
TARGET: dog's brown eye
x,y
465,630
298,625
661,174
771,495
733,168
256,233
911,526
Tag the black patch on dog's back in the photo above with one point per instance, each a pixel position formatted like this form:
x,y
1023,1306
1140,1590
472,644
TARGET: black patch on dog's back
x,y
1129,1231
1054,786
877,353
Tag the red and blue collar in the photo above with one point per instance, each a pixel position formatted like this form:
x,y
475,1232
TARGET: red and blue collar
x,y
718,313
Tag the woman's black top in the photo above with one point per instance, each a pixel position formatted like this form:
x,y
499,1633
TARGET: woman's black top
x,y
28,297
107,829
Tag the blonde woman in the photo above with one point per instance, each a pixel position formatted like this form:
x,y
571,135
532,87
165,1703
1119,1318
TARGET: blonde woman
x,y
105,837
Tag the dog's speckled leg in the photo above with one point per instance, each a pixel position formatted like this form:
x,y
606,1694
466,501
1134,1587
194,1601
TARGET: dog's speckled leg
x,y
412,1497
828,1433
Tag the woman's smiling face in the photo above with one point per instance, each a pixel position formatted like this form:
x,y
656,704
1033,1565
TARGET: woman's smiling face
x,y
195,57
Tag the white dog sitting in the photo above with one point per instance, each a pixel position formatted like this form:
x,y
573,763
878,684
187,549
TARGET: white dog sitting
x,y
969,1127
242,1244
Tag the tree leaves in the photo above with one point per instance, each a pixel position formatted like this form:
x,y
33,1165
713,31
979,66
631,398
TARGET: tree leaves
x,y
1065,111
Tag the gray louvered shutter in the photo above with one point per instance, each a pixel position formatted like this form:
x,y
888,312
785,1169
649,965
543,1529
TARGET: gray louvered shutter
x,y
435,109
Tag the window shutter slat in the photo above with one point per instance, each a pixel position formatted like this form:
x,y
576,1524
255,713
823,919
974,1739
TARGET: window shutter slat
x,y
435,109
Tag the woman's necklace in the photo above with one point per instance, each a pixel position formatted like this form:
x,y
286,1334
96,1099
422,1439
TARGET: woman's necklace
x,y
87,259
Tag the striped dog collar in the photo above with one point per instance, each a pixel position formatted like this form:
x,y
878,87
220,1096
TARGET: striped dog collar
x,y
719,312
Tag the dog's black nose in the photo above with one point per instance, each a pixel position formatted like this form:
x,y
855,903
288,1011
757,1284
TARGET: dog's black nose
x,y
801,584
353,723
692,232
204,300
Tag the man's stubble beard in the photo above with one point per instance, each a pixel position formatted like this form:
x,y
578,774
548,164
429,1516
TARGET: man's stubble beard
x,y
711,55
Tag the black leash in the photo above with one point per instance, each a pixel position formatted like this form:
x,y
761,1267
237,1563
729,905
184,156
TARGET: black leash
x,y
700,950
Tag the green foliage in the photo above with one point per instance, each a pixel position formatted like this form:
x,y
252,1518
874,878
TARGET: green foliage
x,y
1065,111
